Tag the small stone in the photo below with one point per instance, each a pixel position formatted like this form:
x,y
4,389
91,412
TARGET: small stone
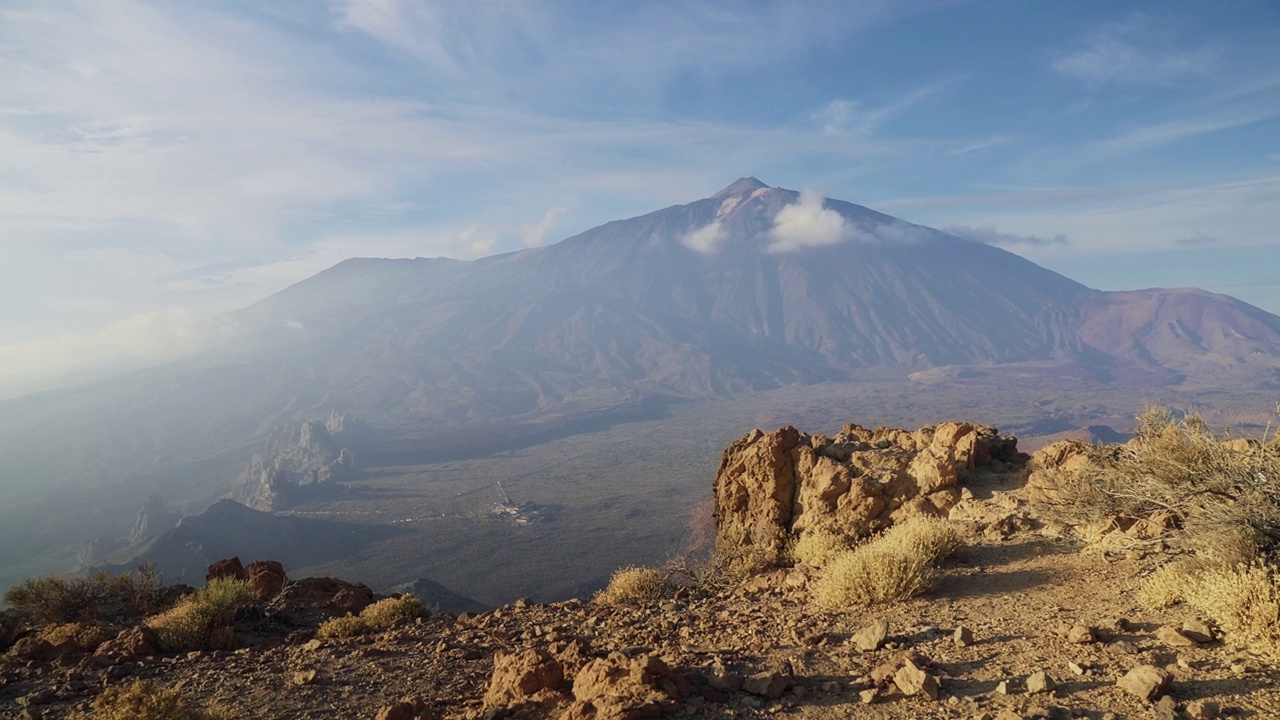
x,y
1239,668
1166,708
1039,682
1081,634
868,696
871,637
1173,637
1076,668
766,684
1003,687
911,680
1117,624
304,677
1203,710
1008,714
1146,681
962,637
312,645
1123,647
1198,630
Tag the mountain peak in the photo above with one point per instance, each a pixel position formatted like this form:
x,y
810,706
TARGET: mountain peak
x,y
741,186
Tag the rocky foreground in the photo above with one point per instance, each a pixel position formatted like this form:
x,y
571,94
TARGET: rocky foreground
x,y
1022,624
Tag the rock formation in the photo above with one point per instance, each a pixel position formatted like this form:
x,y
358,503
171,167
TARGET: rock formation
x,y
154,518
301,460
774,487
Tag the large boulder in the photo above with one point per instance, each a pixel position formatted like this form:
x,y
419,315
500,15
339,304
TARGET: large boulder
x,y
772,488
226,568
266,579
528,676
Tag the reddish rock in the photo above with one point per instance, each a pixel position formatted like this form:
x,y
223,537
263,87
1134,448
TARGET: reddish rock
x,y
1146,681
406,709
229,567
34,649
618,688
129,645
773,487
519,677
266,579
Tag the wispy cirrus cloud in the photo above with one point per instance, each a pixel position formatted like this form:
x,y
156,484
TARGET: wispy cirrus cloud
x,y
991,235
1137,51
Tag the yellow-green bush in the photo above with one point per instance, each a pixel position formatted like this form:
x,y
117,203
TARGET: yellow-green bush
x,y
203,620
83,636
53,600
818,547
897,565
379,616
143,701
634,586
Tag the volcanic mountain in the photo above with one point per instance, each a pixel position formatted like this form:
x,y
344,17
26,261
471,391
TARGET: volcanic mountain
x,y
755,287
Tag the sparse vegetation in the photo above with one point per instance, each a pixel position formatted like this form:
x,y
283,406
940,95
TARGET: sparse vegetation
x,y
379,616
143,701
634,586
204,619
83,636
56,600
897,565
818,547
1178,484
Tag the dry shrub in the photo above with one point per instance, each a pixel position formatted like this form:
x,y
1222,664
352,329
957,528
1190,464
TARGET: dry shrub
x,y
897,565
818,547
379,616
56,600
873,574
83,636
203,620
144,701
1166,586
1244,600
634,586
343,627
936,538
1225,501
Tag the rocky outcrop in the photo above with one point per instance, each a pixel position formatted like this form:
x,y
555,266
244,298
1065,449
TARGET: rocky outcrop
x,y
774,487
301,460
154,518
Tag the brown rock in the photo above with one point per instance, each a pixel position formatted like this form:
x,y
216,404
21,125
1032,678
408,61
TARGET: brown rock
x,y
1040,682
868,696
1081,634
406,709
618,688
871,637
519,676
1173,637
766,684
1203,710
962,637
266,579
229,567
883,673
1198,630
34,649
911,680
1166,708
131,644
1146,681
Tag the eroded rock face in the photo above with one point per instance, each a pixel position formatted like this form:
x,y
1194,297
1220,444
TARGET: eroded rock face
x,y
301,460
773,487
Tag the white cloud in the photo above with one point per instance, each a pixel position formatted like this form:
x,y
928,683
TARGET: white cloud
x,y
536,234
807,223
1127,53
706,239
988,233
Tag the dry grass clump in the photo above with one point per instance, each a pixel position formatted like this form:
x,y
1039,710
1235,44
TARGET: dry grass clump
x,y
56,600
379,616
1244,600
205,619
1224,500
897,565
144,701
83,636
818,547
634,586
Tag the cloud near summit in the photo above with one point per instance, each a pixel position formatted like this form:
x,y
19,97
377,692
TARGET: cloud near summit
x,y
807,223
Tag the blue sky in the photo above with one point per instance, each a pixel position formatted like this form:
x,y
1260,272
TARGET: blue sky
x,y
162,162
